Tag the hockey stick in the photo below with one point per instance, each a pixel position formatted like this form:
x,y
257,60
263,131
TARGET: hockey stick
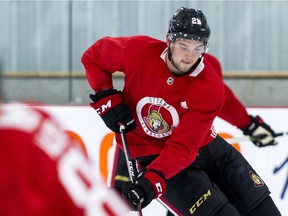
x,y
247,138
132,173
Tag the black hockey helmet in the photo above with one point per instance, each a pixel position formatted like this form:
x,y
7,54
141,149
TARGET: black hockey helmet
x,y
189,23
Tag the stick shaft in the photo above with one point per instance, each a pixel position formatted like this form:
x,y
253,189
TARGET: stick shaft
x,y
129,163
132,174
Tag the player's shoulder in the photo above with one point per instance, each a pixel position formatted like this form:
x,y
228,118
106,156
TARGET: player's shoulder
x,y
133,38
145,41
207,83
40,128
21,116
211,58
135,42
144,38
213,64
144,47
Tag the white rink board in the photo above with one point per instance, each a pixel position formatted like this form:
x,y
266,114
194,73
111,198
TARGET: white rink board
x,y
84,121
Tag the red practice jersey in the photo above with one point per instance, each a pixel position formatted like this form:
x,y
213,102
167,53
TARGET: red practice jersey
x,y
44,173
174,115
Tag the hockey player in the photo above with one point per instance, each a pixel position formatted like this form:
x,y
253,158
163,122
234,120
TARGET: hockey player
x,y
232,111
44,172
171,96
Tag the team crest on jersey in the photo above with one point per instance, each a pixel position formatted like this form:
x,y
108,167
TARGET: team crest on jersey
x,y
258,182
157,118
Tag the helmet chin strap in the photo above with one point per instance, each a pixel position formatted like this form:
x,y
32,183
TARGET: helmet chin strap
x,y
173,63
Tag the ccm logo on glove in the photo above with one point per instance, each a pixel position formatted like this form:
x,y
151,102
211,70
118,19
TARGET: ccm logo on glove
x,y
157,183
106,104
159,188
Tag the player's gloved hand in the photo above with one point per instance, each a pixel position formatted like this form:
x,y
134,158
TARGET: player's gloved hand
x,y
260,133
149,185
108,104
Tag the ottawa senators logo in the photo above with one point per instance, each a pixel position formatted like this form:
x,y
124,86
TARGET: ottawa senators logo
x,y
154,121
157,118
258,182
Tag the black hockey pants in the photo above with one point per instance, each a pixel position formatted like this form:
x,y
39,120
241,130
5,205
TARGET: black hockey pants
x,y
218,175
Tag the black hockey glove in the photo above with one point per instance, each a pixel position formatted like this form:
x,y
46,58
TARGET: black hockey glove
x,y
108,104
148,186
260,133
